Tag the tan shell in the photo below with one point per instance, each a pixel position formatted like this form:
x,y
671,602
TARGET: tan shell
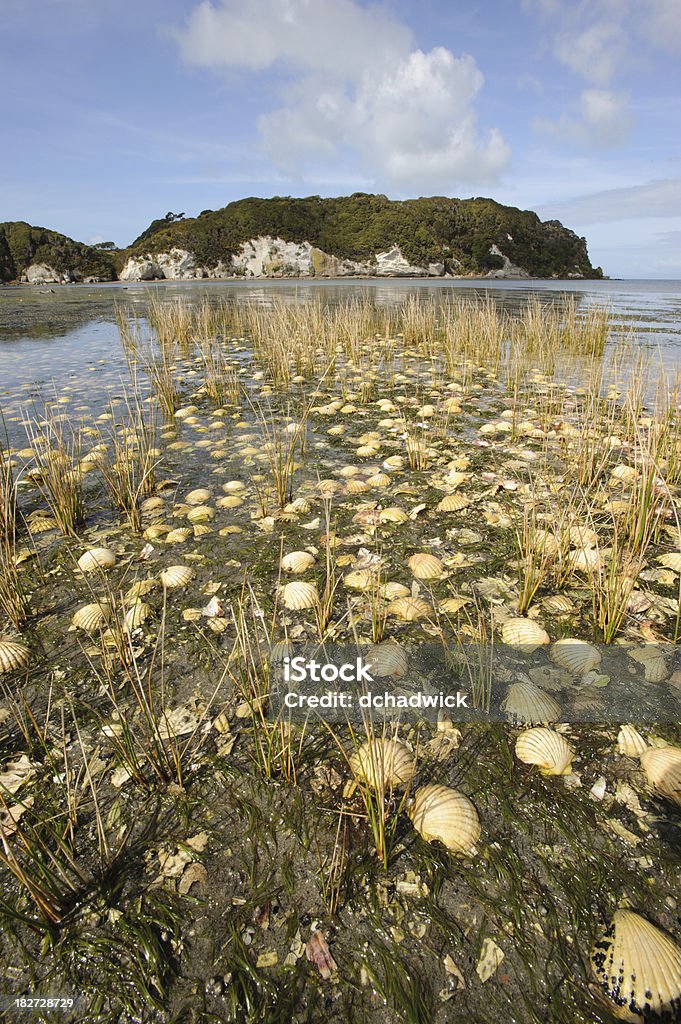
x,y
383,764
202,530
96,559
454,503
545,748
391,590
356,486
198,496
525,702
299,505
525,634
576,656
41,524
201,514
671,561
179,536
409,609
92,617
387,659
229,501
425,567
176,576
638,966
138,613
299,596
361,579
152,504
393,515
378,480
624,473
630,742
662,766
652,659
558,604
233,486
297,561
12,655
438,812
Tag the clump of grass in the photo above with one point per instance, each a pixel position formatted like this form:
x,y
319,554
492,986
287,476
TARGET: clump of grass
x,y
613,578
58,474
13,597
281,442
538,550
128,468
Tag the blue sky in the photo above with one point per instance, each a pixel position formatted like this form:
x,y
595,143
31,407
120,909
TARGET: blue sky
x,y
115,113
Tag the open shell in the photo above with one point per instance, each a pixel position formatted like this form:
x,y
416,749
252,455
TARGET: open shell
x,y
12,655
96,559
526,703
438,812
576,656
525,634
92,617
425,567
387,659
638,966
297,561
299,596
630,742
653,662
176,576
662,766
383,764
409,609
545,748
138,613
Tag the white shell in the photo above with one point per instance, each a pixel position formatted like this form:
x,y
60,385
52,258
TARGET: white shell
x,y
387,659
558,604
630,742
179,535
383,764
545,748
299,596
653,662
12,655
360,579
638,966
409,609
662,766
438,812
671,561
525,702
576,656
197,496
297,561
526,634
393,515
176,576
201,514
454,503
95,559
138,613
92,616
425,567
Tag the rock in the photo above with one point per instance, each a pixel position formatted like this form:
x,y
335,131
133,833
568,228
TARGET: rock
x,y
509,269
41,273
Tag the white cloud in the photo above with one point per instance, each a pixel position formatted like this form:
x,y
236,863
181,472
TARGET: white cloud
x,y
662,23
595,53
354,83
601,120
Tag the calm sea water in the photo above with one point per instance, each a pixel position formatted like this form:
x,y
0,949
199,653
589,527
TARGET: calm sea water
x,y
66,338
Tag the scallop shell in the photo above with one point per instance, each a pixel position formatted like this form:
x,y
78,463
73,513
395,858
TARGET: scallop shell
x,y
387,659
378,480
233,486
297,561
545,748
41,524
425,567
176,576
299,596
138,613
202,530
638,966
630,742
653,662
526,634
624,473
409,609
558,604
662,766
152,504
198,496
92,616
201,514
576,656
383,764
438,812
229,501
95,559
299,506
367,451
672,561
356,486
393,515
12,655
178,536
391,590
454,503
361,579
526,703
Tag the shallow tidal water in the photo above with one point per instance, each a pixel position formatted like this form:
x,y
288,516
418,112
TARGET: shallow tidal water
x,y
239,865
